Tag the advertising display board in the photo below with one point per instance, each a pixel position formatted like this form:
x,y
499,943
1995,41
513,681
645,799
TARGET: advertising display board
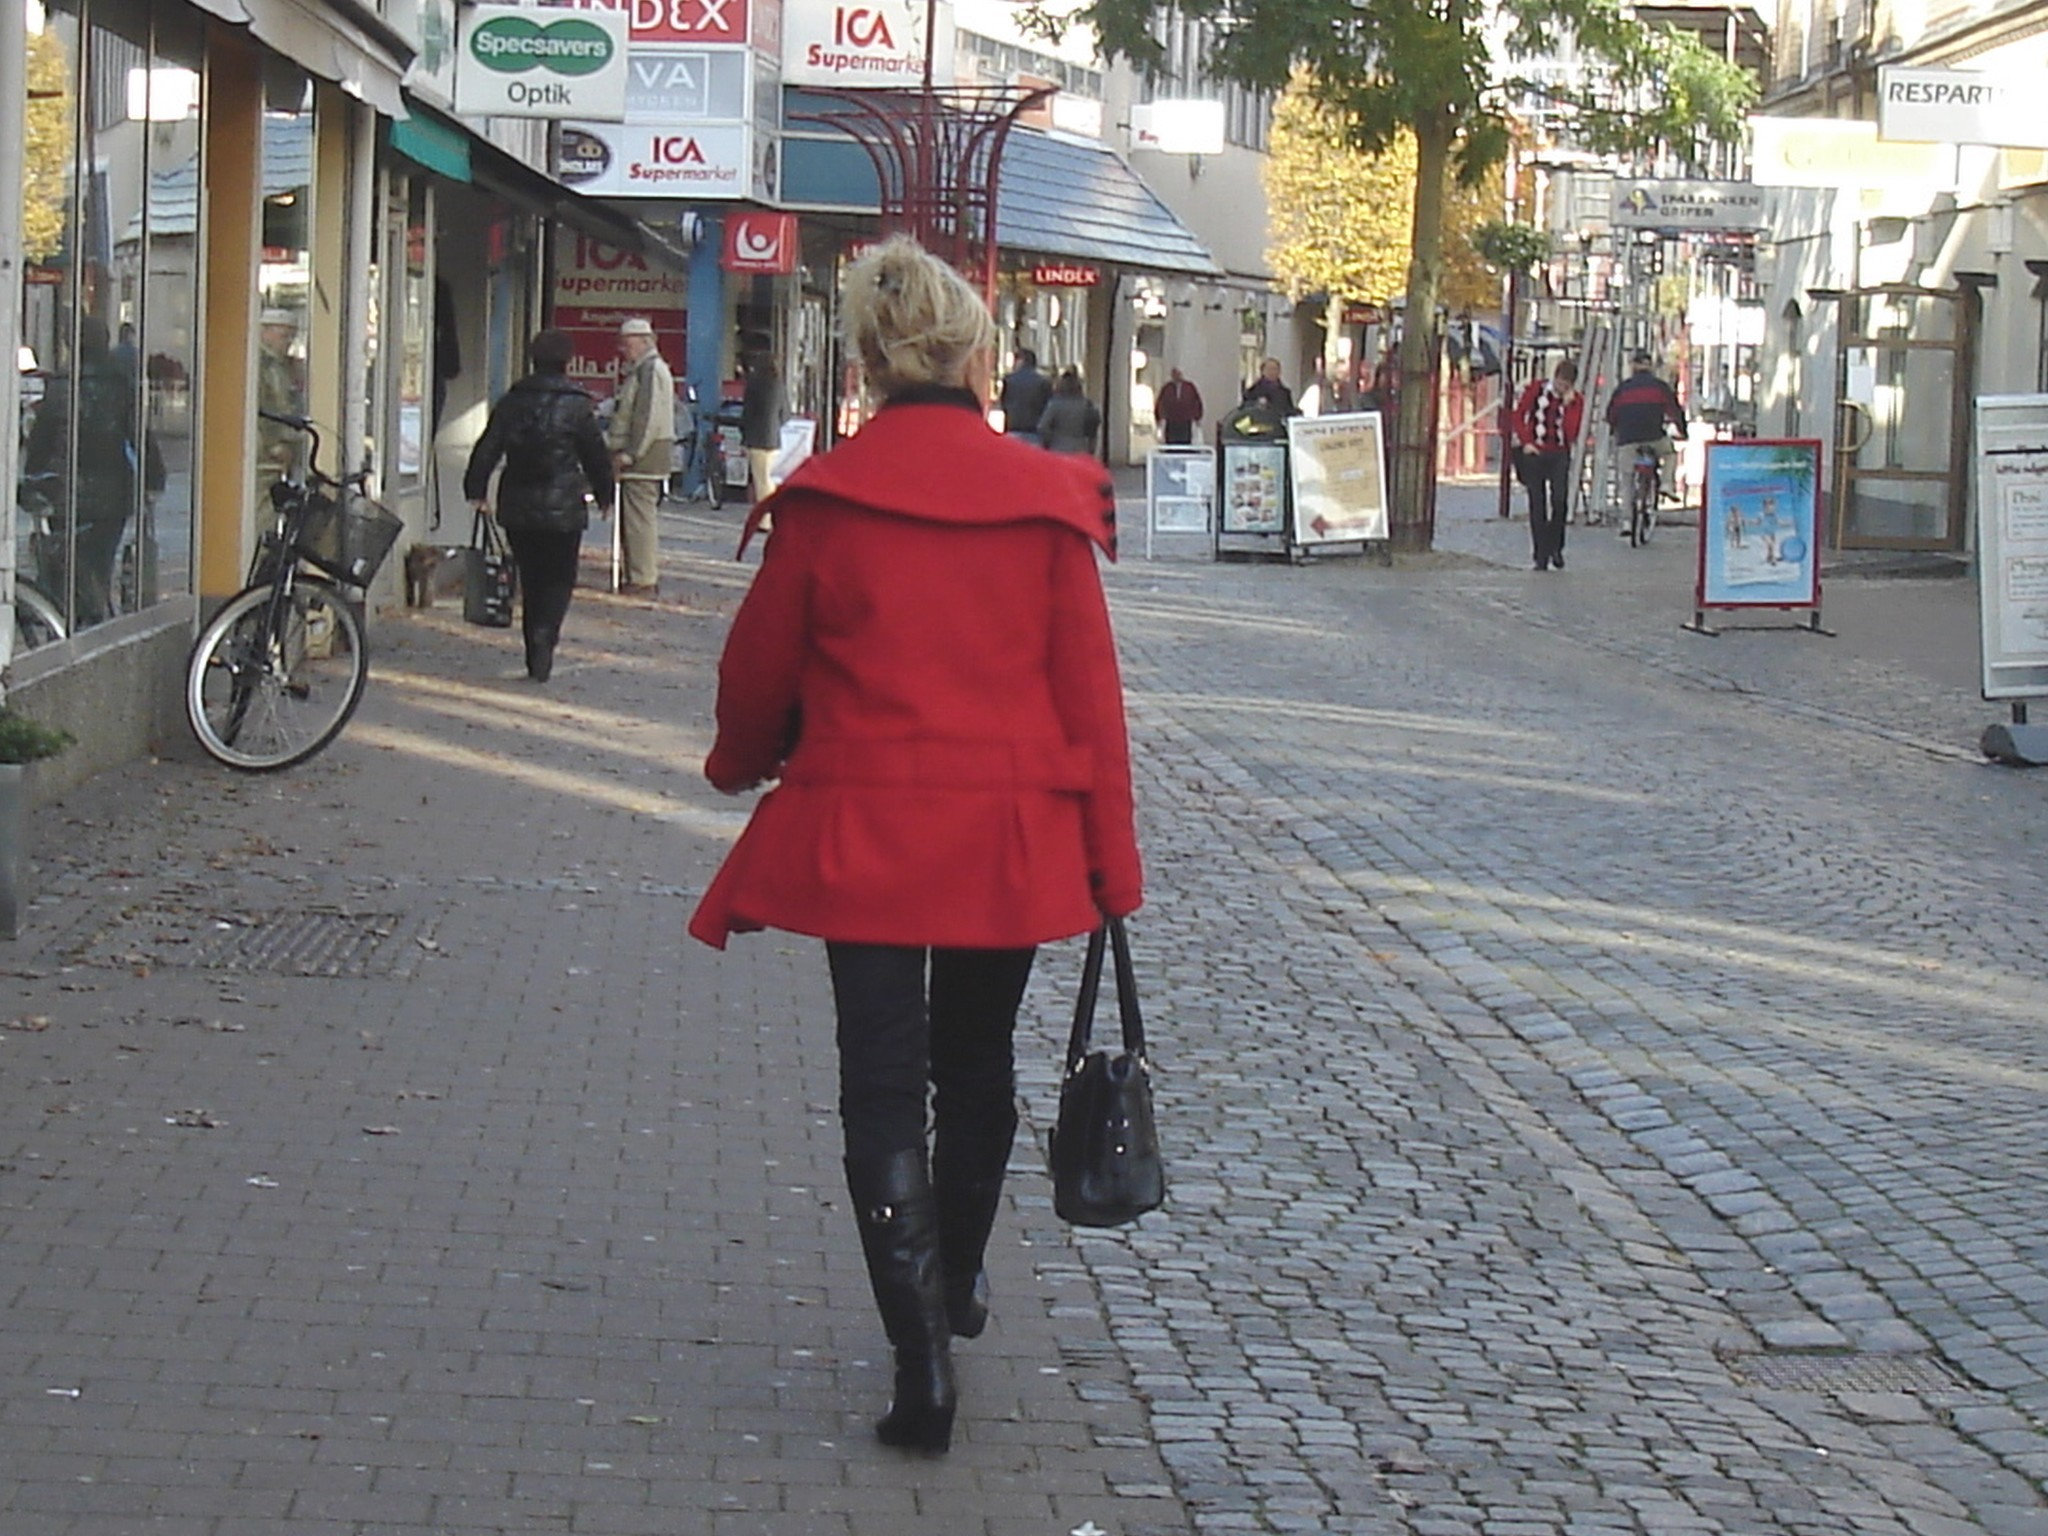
x,y
1254,489
1179,492
1759,527
2012,542
1339,469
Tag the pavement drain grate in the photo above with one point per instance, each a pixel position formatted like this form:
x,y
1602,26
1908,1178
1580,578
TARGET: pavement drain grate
x,y
1842,1373
313,944
303,942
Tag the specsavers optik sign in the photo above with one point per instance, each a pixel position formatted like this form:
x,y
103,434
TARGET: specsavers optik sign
x,y
518,61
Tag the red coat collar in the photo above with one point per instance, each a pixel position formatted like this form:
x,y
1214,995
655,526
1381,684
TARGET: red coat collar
x,y
939,463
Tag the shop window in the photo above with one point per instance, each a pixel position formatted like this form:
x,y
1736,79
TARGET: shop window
x,y
108,222
284,272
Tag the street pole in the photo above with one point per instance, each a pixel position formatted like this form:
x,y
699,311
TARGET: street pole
x,y
1507,393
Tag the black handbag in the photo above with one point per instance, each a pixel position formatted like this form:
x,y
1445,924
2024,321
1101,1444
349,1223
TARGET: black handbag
x,y
1106,1169
489,578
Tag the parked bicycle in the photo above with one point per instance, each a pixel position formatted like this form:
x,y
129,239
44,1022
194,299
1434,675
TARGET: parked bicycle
x,y
279,670
1642,495
38,617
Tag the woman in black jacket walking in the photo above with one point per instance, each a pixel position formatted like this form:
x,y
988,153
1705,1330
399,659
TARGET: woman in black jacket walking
x,y
545,429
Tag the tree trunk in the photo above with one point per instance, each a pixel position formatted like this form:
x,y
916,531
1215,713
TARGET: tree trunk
x,y
1414,473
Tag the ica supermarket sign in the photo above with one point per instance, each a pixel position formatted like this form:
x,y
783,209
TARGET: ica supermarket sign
x,y
520,62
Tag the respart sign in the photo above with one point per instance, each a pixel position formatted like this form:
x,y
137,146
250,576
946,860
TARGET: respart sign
x,y
520,62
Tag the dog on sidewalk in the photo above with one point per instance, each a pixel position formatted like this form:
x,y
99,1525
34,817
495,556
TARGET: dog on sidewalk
x,y
431,571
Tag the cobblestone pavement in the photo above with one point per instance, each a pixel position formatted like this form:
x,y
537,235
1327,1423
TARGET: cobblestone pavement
x,y
1601,1059
1602,1069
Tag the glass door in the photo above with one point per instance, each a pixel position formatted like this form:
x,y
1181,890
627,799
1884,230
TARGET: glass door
x,y
1902,438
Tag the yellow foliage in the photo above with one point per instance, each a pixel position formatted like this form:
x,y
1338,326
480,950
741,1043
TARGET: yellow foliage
x,y
1341,222
46,147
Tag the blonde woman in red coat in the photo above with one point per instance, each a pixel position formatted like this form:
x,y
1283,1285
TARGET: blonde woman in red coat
x,y
924,670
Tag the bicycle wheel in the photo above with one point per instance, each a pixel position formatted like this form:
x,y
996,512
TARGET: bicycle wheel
x,y
272,681
711,472
1642,496
37,620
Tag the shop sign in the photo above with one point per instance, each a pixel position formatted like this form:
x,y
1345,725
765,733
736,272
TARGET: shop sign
x,y
1362,314
432,76
1842,152
687,160
687,84
511,63
760,242
1960,106
1688,206
678,21
1065,274
864,42
596,287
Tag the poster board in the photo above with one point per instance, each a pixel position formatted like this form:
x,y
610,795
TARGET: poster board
x,y
2012,544
1252,491
1338,465
1180,492
1759,524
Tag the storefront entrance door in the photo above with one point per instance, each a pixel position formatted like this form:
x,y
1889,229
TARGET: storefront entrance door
x,y
1902,417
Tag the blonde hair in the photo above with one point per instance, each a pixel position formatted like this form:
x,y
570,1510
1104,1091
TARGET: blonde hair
x,y
911,319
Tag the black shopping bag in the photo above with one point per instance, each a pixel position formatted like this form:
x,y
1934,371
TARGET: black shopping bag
x,y
490,580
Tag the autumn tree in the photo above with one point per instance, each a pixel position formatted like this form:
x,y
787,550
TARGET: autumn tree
x,y
1338,220
1429,68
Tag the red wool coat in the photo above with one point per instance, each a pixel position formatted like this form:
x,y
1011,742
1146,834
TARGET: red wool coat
x,y
928,626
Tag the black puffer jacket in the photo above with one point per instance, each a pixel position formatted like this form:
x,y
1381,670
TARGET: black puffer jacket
x,y
545,429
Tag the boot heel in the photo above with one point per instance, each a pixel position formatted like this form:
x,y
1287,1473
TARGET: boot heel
x,y
921,1418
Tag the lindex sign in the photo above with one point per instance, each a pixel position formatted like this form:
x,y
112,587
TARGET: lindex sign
x,y
516,61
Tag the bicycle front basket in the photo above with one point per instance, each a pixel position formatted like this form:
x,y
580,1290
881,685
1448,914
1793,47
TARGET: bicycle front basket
x,y
346,539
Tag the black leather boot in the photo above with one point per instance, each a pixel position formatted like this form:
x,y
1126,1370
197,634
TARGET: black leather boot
x,y
967,1182
892,1202
966,1213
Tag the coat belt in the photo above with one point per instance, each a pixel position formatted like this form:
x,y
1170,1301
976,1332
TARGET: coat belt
x,y
928,763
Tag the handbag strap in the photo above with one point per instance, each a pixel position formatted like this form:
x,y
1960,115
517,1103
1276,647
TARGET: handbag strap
x,y
1110,935
484,534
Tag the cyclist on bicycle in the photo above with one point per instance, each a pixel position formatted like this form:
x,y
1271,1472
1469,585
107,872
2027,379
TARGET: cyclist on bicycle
x,y
1637,412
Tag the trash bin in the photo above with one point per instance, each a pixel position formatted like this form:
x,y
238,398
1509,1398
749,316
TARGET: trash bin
x,y
1253,512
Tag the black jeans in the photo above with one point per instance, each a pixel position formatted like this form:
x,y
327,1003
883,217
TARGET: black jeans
x,y
547,577
1550,502
895,1037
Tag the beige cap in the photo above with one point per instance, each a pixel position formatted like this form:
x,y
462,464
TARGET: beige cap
x,y
639,325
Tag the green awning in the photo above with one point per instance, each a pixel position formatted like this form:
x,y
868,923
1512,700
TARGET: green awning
x,y
436,146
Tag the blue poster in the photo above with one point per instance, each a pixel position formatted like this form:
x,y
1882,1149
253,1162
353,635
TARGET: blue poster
x,y
1759,522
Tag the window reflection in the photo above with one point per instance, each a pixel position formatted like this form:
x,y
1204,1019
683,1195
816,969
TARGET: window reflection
x,y
284,278
108,217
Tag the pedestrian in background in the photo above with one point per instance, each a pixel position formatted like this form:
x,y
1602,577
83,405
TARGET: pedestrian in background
x,y
545,431
1178,409
1071,421
642,439
1547,421
761,416
925,664
1025,395
1270,390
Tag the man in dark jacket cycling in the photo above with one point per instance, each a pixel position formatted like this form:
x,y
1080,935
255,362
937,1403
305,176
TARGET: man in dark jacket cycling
x,y
1637,411
545,429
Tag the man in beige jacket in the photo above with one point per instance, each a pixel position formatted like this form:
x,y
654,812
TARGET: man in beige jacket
x,y
642,438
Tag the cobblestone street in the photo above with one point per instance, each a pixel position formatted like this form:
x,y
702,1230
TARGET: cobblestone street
x,y
1602,1067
